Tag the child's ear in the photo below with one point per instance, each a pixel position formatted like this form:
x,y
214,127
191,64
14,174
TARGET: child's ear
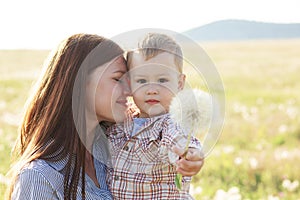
x,y
181,81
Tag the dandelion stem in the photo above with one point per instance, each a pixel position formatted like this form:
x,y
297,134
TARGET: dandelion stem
x,y
178,178
188,141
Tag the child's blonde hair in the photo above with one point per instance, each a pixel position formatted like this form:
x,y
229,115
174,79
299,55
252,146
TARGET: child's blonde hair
x,y
156,43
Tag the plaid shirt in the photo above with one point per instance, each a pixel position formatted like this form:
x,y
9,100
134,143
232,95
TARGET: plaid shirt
x,y
143,165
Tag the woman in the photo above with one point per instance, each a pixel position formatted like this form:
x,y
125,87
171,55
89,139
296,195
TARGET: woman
x,y
59,138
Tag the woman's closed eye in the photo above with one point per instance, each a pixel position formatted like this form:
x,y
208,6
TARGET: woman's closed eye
x,y
118,80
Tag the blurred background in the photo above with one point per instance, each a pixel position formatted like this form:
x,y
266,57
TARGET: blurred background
x,y
254,45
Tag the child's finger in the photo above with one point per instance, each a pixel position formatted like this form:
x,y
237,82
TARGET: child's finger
x,y
179,151
194,154
189,168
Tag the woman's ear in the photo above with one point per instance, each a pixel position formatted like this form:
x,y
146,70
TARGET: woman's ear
x,y
181,81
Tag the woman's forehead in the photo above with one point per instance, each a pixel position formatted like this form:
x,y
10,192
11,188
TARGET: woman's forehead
x,y
118,64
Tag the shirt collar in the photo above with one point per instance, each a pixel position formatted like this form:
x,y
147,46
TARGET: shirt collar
x,y
123,130
60,164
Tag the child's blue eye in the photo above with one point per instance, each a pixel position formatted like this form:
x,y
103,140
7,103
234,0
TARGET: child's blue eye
x,y
141,81
162,80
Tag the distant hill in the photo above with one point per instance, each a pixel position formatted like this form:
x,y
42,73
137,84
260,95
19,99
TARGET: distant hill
x,y
243,30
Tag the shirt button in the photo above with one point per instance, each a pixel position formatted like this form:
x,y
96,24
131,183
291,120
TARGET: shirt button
x,y
117,178
126,148
114,133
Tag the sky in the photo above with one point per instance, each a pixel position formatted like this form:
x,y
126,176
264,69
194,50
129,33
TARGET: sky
x,y
41,24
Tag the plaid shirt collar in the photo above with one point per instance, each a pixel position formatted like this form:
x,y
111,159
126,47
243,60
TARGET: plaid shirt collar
x,y
123,130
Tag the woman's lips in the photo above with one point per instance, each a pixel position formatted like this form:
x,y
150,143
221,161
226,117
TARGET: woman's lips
x,y
152,101
122,102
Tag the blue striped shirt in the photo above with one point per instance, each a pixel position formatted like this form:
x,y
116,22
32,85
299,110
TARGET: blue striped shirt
x,y
42,179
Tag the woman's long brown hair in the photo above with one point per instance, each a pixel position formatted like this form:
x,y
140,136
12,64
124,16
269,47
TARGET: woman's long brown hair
x,y
51,129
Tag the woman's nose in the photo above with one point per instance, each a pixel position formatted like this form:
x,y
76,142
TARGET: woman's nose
x,y
125,85
126,90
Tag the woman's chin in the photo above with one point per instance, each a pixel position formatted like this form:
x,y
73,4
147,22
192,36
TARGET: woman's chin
x,y
119,116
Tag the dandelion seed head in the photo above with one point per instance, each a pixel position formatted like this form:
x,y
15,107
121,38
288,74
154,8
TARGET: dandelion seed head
x,y
192,109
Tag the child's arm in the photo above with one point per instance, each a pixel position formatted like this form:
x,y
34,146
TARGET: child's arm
x,y
194,159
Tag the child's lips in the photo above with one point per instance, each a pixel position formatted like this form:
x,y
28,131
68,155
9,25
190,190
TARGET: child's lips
x,y
152,101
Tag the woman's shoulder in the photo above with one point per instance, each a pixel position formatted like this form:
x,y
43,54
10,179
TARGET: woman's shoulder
x,y
35,165
33,171
41,171
41,166
38,180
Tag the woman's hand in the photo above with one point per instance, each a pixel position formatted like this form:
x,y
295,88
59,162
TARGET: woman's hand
x,y
192,163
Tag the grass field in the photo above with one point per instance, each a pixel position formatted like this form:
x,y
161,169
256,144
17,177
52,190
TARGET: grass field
x,y
257,155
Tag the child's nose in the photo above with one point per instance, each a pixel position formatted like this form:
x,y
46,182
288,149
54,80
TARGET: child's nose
x,y
152,89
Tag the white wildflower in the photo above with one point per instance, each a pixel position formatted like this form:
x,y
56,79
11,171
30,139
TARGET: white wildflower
x,y
11,119
192,109
238,161
232,194
253,163
4,179
2,104
289,185
292,112
195,190
282,128
228,149
220,195
271,197
234,191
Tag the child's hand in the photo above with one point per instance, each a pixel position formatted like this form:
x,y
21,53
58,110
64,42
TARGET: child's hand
x,y
192,163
